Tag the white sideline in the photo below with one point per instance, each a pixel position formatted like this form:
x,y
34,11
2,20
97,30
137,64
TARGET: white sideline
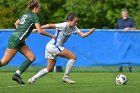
x,y
12,86
102,30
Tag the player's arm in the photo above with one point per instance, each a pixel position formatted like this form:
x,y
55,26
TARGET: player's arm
x,y
17,23
48,26
132,27
85,34
42,32
129,28
45,27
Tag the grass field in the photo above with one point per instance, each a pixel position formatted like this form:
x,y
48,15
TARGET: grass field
x,y
86,82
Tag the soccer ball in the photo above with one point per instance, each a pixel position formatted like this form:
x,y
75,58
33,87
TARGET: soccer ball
x,y
121,79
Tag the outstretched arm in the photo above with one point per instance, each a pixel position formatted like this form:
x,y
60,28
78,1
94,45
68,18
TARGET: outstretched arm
x,y
48,26
45,27
42,32
82,34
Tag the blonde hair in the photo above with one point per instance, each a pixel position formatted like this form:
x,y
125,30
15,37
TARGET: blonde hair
x,y
32,4
124,10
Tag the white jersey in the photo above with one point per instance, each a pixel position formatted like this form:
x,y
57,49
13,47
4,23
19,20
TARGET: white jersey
x,y
63,32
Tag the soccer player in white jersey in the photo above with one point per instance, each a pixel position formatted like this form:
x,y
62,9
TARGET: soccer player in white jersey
x,y
55,47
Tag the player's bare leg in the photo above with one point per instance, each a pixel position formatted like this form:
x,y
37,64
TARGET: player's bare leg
x,y
30,58
69,55
9,54
50,67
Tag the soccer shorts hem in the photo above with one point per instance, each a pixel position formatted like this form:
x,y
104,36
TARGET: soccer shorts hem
x,y
52,50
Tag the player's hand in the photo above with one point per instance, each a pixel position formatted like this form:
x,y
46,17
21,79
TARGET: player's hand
x,y
34,31
92,29
53,36
126,29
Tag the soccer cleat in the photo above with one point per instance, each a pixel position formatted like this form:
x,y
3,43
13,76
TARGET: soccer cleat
x,y
31,81
68,80
17,78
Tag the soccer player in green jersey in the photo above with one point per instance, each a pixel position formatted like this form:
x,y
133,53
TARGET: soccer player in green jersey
x,y
24,26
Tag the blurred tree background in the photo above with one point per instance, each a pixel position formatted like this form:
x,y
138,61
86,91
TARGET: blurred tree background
x,y
91,13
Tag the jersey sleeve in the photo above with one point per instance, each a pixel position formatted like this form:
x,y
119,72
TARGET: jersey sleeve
x,y
35,19
60,26
77,29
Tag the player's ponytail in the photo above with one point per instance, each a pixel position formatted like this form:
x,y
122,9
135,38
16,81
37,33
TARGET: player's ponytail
x,y
32,4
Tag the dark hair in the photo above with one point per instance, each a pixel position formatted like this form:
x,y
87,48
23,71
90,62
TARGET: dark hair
x,y
70,16
32,4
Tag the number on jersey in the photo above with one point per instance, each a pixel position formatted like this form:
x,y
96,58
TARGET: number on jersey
x,y
23,19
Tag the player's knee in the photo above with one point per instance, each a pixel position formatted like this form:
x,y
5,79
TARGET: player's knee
x,y
32,58
50,69
4,63
74,57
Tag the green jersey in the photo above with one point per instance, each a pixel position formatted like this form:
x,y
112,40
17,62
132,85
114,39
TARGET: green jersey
x,y
26,25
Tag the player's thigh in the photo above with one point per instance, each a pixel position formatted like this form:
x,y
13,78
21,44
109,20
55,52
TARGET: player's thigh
x,y
8,55
67,54
25,50
51,64
53,49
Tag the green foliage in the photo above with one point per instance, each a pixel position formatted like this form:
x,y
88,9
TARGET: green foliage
x,y
91,13
52,11
102,13
6,18
10,13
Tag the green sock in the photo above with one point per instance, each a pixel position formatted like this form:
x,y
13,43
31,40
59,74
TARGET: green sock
x,y
24,66
0,64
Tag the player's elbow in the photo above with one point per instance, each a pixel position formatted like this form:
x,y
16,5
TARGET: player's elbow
x,y
83,36
16,25
40,31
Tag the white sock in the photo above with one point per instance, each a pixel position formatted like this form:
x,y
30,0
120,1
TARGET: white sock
x,y
69,67
18,72
41,73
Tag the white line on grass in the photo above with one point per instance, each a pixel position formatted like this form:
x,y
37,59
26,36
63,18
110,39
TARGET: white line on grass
x,y
12,86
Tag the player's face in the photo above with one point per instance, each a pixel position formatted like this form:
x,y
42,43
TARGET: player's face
x,y
73,22
124,15
37,10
